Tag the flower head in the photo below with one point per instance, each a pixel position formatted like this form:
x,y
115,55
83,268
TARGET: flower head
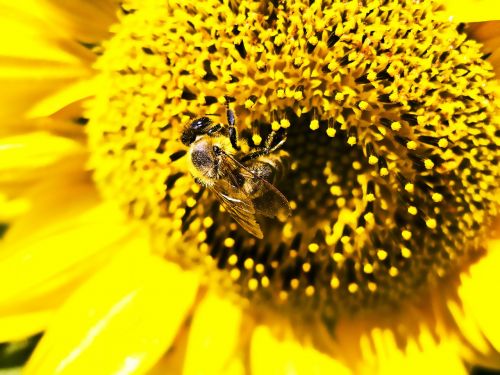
x,y
390,117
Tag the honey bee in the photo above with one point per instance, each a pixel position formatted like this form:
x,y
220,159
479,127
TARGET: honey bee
x,y
242,182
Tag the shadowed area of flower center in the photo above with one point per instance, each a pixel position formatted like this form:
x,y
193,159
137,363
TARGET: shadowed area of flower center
x,y
391,121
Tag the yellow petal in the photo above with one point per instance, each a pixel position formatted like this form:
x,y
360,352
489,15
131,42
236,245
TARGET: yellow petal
x,y
488,33
28,312
214,336
11,208
86,21
64,97
173,361
120,322
478,293
270,355
420,355
473,10
19,326
32,151
37,58
43,256
80,20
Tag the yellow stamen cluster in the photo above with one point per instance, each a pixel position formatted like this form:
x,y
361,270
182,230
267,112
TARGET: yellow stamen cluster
x,y
392,121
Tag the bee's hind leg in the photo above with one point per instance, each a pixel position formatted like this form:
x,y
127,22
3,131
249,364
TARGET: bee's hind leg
x,y
270,146
231,121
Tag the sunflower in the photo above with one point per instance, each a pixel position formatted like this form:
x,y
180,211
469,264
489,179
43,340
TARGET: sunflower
x,y
391,111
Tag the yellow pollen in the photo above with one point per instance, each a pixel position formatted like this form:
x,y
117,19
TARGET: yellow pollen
x,y
393,271
314,125
309,290
259,268
396,126
249,103
443,143
229,242
353,288
331,132
335,190
208,222
436,197
334,282
405,252
265,281
313,247
363,105
368,268
257,139
313,40
431,223
298,95
285,123
411,145
232,260
372,160
339,97
338,257
248,264
283,295
429,164
235,274
253,284
372,287
412,210
406,234
409,187
382,254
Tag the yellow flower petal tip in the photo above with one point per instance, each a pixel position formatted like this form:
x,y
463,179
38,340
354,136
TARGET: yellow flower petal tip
x,y
142,301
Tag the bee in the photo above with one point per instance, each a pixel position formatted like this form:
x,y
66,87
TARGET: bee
x,y
242,182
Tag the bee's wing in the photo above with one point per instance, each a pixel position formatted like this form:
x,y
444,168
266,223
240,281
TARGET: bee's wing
x,y
237,205
270,202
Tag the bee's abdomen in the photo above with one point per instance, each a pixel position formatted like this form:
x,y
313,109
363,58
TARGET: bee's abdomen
x,y
271,168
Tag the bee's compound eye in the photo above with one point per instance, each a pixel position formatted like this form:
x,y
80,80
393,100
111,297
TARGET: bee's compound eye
x,y
200,123
187,138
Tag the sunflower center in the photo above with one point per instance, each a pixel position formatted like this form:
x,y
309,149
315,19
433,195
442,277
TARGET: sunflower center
x,y
391,122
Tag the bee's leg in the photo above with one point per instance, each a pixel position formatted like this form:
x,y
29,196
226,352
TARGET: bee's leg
x,y
254,155
217,128
270,147
231,121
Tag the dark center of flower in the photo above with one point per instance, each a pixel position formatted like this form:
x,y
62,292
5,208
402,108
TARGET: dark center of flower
x,y
391,124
